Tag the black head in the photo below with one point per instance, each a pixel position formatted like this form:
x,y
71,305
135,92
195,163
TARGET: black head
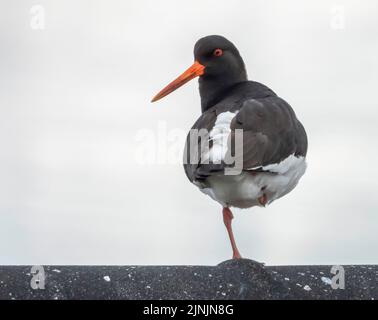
x,y
219,66
220,58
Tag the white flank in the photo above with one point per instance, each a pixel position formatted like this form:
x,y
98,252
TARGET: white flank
x,y
284,166
244,190
219,136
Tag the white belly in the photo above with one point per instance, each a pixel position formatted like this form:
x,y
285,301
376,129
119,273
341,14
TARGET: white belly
x,y
243,191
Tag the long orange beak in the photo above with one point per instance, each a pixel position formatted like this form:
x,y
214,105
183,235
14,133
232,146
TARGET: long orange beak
x,y
195,70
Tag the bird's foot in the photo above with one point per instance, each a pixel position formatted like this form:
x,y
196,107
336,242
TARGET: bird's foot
x,y
236,255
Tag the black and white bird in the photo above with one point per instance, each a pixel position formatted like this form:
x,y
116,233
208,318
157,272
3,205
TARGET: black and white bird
x,y
274,142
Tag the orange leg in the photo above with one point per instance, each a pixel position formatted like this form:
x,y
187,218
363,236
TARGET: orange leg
x,y
227,219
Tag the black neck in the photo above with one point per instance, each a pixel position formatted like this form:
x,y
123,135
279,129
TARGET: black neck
x,y
213,89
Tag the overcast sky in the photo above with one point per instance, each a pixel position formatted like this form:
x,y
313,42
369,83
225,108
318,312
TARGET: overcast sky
x,y
75,100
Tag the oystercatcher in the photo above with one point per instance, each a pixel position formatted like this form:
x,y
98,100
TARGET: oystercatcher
x,y
274,142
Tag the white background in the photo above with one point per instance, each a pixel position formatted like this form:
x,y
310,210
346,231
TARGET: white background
x,y
74,95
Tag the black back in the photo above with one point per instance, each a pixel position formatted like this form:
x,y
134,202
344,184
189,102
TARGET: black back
x,y
271,130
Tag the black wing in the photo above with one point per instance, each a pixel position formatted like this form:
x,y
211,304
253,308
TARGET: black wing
x,y
271,132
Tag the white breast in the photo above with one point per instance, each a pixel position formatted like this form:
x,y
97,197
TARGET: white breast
x,y
243,191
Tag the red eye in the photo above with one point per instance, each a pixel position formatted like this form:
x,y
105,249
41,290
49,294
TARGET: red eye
x,y
218,52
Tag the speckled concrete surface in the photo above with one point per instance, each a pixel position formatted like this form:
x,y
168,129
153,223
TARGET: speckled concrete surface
x,y
243,279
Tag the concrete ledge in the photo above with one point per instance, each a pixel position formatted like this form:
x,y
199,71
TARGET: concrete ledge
x,y
243,279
